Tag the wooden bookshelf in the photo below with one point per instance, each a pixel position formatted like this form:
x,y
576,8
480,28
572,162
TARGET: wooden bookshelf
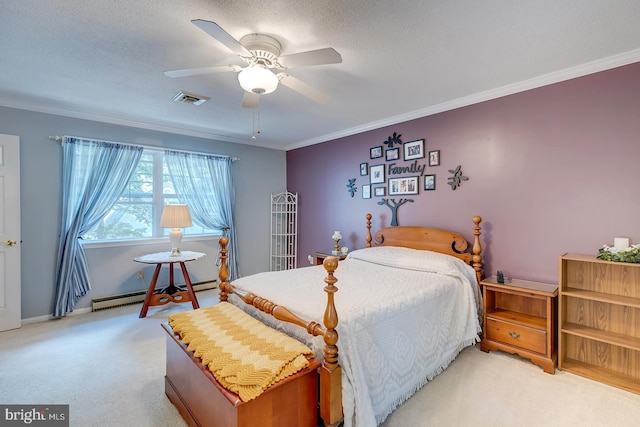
x,y
599,320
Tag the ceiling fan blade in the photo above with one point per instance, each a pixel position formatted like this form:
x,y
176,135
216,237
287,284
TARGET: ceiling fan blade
x,y
311,57
250,100
216,31
304,89
204,70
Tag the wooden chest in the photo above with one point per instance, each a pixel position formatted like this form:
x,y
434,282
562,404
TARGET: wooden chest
x,y
202,401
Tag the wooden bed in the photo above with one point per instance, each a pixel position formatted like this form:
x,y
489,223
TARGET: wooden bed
x,y
191,396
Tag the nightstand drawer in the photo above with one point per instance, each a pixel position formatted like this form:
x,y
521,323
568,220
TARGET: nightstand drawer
x,y
516,335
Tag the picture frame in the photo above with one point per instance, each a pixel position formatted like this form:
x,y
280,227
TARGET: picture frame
x,y
413,149
376,173
392,154
366,191
380,191
429,182
375,152
404,185
434,158
364,169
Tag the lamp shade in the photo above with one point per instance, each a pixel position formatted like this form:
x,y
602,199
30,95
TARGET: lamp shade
x,y
258,80
175,216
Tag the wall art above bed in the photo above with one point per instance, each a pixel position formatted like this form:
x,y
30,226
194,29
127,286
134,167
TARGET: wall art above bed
x,y
351,186
457,178
414,149
394,139
402,171
393,205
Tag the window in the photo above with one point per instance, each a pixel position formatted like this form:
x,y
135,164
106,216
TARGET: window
x,y
136,215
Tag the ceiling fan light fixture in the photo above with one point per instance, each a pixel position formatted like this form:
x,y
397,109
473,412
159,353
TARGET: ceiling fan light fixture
x,y
258,80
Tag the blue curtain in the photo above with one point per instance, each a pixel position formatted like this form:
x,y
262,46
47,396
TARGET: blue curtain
x,y
204,183
94,175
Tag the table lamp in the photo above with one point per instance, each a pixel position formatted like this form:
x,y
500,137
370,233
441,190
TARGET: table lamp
x,y
175,217
336,238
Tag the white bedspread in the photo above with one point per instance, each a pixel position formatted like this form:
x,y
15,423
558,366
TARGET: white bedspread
x,y
403,314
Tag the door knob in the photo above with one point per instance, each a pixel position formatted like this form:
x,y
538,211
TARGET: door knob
x,y
9,243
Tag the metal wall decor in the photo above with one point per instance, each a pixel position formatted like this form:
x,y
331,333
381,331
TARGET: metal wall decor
x,y
394,208
351,186
393,139
457,178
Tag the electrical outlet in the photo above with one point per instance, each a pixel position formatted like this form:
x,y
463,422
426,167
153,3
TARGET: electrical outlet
x,y
140,274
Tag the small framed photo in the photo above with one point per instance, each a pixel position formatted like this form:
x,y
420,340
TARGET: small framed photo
x,y
366,191
429,182
375,152
364,169
434,158
377,174
414,149
406,185
379,191
392,154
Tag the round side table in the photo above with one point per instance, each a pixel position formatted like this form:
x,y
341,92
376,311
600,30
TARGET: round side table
x,y
171,293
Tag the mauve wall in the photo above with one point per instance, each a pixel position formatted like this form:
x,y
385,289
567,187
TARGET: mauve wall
x,y
551,170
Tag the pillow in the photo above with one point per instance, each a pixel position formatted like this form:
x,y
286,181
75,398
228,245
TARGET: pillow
x,y
411,259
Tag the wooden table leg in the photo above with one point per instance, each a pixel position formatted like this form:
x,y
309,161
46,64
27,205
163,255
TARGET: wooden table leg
x,y
152,287
192,295
171,289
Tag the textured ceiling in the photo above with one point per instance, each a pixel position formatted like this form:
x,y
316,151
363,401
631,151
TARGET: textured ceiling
x,y
104,60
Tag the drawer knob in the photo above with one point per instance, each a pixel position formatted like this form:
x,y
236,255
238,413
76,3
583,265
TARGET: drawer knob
x,y
514,335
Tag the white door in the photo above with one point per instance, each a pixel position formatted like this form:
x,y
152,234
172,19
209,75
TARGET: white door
x,y
9,232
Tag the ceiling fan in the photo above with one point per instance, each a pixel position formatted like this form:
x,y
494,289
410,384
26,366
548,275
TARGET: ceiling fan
x,y
265,67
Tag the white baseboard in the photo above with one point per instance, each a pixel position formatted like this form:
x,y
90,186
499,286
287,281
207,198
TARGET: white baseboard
x,y
197,287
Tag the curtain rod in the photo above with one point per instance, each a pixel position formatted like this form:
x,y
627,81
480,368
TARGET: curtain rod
x,y
148,147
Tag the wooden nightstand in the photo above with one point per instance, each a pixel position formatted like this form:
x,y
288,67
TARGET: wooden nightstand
x,y
520,318
320,256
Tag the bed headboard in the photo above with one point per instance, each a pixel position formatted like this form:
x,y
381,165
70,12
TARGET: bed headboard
x,y
432,239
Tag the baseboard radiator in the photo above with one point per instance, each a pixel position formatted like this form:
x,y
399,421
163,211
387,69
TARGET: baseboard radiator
x,y
130,298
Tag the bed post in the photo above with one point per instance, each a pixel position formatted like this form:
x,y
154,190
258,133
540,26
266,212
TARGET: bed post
x,y
330,371
368,216
477,249
223,274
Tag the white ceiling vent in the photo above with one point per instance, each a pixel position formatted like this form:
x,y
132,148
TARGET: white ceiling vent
x,y
190,98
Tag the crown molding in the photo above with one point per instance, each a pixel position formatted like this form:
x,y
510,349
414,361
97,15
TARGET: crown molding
x,y
103,118
533,83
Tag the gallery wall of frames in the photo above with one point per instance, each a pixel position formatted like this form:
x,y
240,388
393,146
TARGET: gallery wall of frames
x,y
396,169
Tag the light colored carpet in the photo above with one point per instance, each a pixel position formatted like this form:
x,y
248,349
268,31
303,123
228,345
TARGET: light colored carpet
x,y
109,367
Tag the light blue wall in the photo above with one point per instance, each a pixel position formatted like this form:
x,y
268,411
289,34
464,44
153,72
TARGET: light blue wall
x,y
259,173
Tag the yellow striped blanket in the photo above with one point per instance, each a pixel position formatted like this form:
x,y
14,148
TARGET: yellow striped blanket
x,y
243,354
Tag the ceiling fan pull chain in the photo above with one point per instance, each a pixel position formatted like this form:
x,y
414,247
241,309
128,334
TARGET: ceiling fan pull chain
x,y
256,113
253,128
